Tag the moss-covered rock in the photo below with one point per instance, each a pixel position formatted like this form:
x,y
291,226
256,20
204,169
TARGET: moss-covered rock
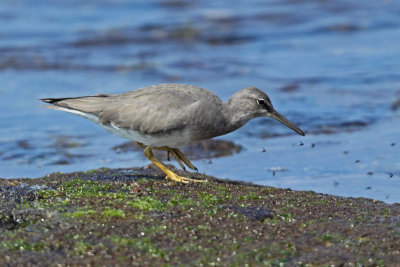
x,y
135,217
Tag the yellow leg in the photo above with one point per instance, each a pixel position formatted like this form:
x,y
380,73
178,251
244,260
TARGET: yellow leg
x,y
170,175
178,155
141,145
185,159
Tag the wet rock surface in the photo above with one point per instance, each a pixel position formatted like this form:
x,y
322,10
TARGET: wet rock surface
x,y
134,217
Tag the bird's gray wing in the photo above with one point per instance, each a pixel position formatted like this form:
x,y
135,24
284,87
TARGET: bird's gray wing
x,y
159,108
149,112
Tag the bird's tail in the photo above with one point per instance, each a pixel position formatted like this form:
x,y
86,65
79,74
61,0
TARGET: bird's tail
x,y
88,104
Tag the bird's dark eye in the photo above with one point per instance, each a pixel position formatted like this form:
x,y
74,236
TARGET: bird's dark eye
x,y
261,102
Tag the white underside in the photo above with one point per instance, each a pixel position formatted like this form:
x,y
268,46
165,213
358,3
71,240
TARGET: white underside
x,y
175,139
170,140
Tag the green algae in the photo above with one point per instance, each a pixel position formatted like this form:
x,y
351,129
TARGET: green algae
x,y
113,213
81,213
183,202
147,203
21,245
105,217
251,196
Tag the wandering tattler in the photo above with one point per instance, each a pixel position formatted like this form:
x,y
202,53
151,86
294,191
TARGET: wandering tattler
x,y
166,116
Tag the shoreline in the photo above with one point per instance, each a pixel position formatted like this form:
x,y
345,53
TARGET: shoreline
x,y
135,217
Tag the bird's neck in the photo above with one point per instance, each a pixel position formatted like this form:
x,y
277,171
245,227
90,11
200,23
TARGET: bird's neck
x,y
234,117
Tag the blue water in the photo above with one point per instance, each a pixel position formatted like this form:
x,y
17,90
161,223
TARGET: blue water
x,y
332,67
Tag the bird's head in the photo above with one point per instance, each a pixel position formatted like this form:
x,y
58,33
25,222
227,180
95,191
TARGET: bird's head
x,y
253,102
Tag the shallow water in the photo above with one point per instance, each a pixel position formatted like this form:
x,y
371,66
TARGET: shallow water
x,y
332,67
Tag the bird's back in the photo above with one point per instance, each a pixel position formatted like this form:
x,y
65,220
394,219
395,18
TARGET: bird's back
x,y
153,109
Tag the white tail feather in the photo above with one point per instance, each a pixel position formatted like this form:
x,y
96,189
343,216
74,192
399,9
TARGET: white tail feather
x,y
77,112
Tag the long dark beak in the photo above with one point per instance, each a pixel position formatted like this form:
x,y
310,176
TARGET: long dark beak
x,y
277,116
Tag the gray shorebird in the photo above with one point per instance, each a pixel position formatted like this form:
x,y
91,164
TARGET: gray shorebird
x,y
166,116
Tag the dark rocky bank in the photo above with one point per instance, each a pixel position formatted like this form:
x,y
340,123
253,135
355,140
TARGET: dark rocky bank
x,y
134,217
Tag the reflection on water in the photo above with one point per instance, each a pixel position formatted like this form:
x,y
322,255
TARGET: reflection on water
x,y
329,66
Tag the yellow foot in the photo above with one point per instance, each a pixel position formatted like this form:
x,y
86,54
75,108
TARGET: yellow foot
x,y
170,174
175,177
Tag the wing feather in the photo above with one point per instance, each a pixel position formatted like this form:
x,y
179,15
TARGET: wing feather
x,y
149,113
150,110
